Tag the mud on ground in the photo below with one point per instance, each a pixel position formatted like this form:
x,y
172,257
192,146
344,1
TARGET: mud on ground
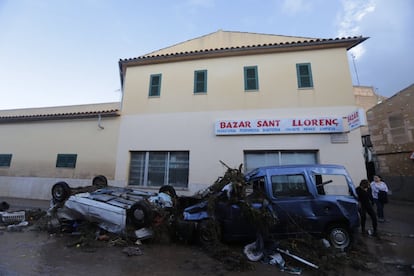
x,y
34,251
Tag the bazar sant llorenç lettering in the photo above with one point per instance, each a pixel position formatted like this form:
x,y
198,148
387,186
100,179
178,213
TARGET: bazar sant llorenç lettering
x,y
276,123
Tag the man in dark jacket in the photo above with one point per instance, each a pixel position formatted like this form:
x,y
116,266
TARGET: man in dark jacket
x,y
365,206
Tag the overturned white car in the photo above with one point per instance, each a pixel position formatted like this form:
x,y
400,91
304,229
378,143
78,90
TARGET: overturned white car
x,y
111,208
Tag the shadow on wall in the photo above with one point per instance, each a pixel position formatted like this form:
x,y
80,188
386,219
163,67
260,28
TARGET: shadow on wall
x,y
402,187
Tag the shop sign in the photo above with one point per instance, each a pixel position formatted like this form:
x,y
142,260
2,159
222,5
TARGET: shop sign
x,y
356,119
279,126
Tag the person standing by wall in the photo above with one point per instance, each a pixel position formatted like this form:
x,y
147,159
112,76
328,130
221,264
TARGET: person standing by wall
x,y
379,193
365,206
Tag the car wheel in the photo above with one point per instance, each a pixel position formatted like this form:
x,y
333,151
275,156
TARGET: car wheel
x,y
100,181
140,214
208,232
339,237
60,191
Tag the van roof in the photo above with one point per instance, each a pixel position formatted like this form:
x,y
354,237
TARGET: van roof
x,y
261,171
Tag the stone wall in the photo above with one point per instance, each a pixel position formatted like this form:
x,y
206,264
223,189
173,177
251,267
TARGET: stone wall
x,y
391,126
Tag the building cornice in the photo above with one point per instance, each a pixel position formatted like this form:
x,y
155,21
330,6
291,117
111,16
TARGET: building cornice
x,y
305,45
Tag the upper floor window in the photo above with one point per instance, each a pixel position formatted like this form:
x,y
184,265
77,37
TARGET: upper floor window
x,y
200,81
5,160
251,81
155,85
66,160
304,74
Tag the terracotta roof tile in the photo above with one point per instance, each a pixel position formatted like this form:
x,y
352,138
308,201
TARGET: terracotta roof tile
x,y
352,41
45,114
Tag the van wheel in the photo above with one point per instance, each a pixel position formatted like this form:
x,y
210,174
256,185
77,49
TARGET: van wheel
x,y
60,191
339,237
208,232
253,253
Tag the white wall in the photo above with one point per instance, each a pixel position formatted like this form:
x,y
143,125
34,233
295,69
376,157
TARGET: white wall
x,y
194,132
34,147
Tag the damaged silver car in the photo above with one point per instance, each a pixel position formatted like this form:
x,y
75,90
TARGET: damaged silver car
x,y
111,208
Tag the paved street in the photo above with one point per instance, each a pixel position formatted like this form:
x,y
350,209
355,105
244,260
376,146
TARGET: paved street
x,y
38,253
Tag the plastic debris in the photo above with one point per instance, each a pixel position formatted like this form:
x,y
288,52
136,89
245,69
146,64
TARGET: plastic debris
x,y
132,251
297,258
326,243
163,200
292,270
228,189
17,227
13,217
277,259
144,233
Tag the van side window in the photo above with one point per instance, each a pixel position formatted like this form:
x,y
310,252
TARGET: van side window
x,y
289,185
319,185
331,184
257,187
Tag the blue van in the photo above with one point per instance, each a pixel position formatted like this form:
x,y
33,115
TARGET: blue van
x,y
319,200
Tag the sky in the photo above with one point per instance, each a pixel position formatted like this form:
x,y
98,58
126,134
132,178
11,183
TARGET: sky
x,y
66,52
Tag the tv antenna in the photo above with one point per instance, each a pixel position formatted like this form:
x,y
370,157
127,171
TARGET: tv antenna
x,y
355,68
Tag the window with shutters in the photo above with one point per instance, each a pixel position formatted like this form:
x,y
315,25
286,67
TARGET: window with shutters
x,y
155,85
66,160
251,81
304,75
5,160
200,81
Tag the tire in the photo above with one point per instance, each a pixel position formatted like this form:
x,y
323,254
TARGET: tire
x,y
60,192
208,232
100,181
252,253
339,237
140,214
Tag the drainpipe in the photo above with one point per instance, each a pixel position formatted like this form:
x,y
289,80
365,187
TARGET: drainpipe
x,y
99,121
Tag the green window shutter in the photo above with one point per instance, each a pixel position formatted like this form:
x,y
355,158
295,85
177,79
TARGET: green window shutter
x,y
304,75
5,160
66,160
200,81
251,81
155,85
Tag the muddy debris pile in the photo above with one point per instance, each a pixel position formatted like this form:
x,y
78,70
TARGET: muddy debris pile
x,y
19,220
